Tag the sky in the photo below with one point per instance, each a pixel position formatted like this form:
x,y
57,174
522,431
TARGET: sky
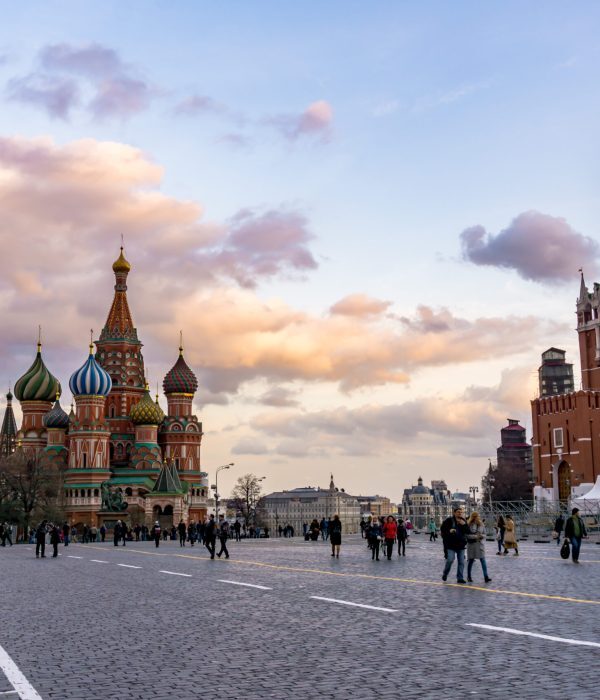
x,y
367,219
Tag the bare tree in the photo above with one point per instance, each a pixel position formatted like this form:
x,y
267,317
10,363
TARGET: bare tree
x,y
30,485
246,495
506,482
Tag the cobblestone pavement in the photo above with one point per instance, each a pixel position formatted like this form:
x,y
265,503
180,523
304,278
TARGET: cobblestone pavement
x,y
103,623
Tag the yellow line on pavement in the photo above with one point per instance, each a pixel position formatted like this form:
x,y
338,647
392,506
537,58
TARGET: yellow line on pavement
x,y
422,582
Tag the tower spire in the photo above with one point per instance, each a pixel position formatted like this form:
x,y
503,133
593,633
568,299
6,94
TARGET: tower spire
x,y
180,343
583,292
8,432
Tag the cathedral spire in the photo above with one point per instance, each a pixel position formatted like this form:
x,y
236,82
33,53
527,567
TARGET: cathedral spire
x,y
583,291
119,323
8,432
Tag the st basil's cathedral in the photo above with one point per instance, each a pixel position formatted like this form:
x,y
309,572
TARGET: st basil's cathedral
x,y
121,455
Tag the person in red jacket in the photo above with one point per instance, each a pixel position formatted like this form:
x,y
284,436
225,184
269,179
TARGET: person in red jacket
x,y
389,534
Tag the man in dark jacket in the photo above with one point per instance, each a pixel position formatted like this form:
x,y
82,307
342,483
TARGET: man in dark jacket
x,y
117,533
54,540
182,531
210,536
574,532
559,523
223,537
454,534
40,539
156,533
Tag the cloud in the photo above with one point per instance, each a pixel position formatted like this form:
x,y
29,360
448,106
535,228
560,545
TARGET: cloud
x,y
280,397
116,91
120,96
316,121
235,139
537,246
360,305
466,424
64,207
92,61
57,96
199,104
249,446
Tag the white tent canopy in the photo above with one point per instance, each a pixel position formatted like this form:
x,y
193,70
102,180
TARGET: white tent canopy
x,y
591,497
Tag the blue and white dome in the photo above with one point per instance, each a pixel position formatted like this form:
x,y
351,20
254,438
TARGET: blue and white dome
x,y
90,379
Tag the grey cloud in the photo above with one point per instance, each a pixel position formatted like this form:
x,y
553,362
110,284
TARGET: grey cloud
x,y
93,61
249,446
199,104
279,397
537,246
57,96
120,97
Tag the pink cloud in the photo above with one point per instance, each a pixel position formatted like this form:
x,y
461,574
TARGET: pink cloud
x,y
537,246
360,305
315,121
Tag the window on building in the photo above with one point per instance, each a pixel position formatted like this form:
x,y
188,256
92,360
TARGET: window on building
x,y
557,437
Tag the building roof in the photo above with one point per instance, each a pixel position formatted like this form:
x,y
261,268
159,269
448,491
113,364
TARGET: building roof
x,y
90,379
38,383
168,480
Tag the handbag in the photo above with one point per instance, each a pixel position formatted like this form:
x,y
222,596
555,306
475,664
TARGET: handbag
x,y
565,550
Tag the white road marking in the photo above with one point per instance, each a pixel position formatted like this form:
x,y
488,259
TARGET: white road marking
x,y
8,692
99,561
72,556
249,585
18,681
355,605
510,630
174,573
129,566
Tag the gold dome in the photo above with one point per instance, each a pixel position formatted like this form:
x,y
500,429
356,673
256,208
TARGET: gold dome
x,y
146,412
121,264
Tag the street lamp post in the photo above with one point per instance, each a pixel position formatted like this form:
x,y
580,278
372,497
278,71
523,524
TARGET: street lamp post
x,y
254,501
216,488
473,490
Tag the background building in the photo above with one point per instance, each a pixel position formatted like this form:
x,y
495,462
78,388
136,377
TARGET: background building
x,y
566,427
302,505
555,375
420,503
376,505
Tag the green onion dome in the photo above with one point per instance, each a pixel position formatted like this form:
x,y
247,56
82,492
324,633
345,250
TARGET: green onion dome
x,y
146,411
38,383
56,417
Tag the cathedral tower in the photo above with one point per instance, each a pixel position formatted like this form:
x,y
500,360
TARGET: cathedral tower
x,y
36,390
119,352
588,329
8,433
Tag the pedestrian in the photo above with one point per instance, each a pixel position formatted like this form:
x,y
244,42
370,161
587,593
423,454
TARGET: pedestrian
x,y
182,530
574,532
191,531
210,536
314,530
510,536
6,534
223,537
409,529
117,533
454,532
55,539
165,534
93,533
476,546
500,531
124,531
401,537
2,535
102,532
432,530
374,537
40,540
137,529
237,527
156,533
335,536
389,535
559,523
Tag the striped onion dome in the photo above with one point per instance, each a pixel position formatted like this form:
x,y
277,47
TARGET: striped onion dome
x,y
56,417
90,379
180,379
146,411
38,383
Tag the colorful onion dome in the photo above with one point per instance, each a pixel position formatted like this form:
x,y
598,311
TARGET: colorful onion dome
x,y
180,379
37,384
90,379
121,264
146,411
56,417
